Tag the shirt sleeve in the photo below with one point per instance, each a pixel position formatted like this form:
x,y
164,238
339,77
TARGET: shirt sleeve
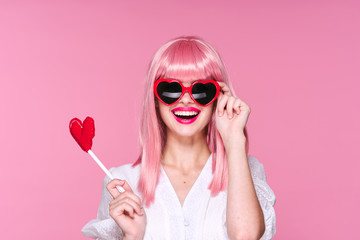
x,y
265,196
103,227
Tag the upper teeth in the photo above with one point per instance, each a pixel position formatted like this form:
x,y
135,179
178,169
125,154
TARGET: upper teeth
x,y
186,113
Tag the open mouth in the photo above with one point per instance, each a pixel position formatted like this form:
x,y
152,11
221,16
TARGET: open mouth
x,y
186,114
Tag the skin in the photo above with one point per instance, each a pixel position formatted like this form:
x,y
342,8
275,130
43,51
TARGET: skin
x,y
126,210
185,155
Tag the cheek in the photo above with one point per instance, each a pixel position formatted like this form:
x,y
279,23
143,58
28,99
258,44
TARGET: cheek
x,y
208,112
164,113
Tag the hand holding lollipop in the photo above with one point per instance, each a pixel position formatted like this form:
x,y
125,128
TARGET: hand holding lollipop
x,y
83,133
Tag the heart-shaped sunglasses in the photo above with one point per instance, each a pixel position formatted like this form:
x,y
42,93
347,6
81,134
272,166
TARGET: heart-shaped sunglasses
x,y
203,93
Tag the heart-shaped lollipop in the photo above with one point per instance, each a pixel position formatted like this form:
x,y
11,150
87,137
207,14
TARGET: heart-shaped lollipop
x,y
83,133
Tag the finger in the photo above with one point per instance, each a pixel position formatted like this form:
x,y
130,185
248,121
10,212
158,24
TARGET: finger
x,y
135,205
134,197
224,88
120,209
237,105
111,187
229,107
127,187
131,196
219,98
244,107
221,104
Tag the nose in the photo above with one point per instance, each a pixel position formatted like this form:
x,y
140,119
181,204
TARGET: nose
x,y
186,99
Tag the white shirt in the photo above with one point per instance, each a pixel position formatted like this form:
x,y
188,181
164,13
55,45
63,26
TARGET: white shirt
x,y
202,216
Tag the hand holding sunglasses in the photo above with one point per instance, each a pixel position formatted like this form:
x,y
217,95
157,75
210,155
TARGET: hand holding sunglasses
x,y
232,115
170,92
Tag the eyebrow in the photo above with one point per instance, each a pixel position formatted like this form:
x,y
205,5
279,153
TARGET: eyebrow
x,y
189,81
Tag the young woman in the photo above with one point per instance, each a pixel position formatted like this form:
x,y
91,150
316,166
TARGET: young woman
x,y
194,178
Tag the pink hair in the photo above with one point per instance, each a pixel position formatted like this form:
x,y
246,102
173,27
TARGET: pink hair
x,y
185,58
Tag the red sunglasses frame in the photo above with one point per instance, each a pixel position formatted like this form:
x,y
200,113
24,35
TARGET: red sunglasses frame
x,y
186,89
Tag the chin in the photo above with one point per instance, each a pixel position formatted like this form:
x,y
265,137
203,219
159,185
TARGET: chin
x,y
186,132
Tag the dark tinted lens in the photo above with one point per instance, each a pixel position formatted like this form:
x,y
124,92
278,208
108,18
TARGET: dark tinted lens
x,y
203,93
169,92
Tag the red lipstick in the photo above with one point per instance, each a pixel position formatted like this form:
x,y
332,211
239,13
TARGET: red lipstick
x,y
186,115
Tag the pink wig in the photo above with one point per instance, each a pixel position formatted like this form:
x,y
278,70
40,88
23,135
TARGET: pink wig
x,y
185,58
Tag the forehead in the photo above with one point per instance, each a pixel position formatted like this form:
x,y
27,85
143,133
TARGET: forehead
x,y
187,78
185,81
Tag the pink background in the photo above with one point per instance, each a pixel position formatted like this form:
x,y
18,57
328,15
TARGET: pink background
x,y
295,63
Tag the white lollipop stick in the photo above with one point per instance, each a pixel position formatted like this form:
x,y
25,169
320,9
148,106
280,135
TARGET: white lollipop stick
x,y
104,169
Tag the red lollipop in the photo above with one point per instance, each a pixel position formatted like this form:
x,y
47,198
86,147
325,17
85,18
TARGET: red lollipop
x,y
83,133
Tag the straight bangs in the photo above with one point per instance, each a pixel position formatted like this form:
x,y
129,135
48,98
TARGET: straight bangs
x,y
188,61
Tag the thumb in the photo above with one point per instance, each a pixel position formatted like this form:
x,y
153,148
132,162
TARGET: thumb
x,y
113,185
124,184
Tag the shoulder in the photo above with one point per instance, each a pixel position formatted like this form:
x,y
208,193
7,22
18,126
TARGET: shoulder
x,y
253,160
127,172
256,168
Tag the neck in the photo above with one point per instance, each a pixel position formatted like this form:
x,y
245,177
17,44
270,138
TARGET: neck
x,y
185,152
